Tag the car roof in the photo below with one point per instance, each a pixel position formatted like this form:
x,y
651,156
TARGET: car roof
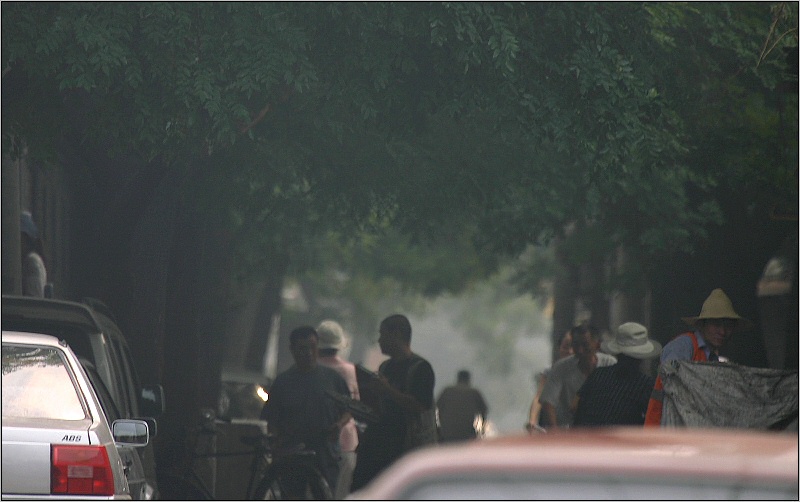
x,y
30,338
50,310
636,451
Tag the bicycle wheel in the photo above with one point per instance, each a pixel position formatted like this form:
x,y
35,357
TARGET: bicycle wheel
x,y
293,482
177,488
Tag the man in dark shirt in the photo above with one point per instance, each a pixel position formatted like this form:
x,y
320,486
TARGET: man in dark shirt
x,y
405,385
618,394
459,405
299,411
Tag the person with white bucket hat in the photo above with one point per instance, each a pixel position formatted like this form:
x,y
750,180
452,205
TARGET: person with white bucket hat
x,y
619,394
332,341
711,330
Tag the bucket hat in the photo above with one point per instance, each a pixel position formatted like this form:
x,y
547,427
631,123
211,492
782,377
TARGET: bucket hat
x,y
718,306
631,339
331,335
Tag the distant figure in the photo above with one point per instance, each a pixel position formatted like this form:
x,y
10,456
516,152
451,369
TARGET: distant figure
x,y
405,385
34,273
618,394
299,411
567,375
712,329
534,416
459,405
331,341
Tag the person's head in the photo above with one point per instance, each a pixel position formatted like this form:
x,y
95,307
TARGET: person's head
x,y
303,345
717,320
565,345
331,337
29,233
395,335
631,340
463,377
585,342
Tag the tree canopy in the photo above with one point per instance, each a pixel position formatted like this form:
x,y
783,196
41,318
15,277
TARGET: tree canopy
x,y
503,122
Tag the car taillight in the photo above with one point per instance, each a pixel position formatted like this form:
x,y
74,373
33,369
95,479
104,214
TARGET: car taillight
x,y
81,470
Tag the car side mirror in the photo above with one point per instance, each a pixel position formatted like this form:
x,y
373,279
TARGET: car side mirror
x,y
152,401
130,432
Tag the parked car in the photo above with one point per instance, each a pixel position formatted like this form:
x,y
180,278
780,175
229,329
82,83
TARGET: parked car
x,y
615,463
57,442
91,332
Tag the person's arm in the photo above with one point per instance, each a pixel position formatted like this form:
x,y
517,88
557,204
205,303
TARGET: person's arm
x,y
420,384
536,406
345,416
549,396
549,414
406,401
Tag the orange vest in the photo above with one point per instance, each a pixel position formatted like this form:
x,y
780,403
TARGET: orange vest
x,y
655,406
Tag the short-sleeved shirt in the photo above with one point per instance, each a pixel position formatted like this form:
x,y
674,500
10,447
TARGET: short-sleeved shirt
x,y
348,437
299,407
681,348
614,395
563,383
383,441
458,405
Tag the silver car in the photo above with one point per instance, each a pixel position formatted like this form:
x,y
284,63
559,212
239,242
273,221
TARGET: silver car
x,y
57,442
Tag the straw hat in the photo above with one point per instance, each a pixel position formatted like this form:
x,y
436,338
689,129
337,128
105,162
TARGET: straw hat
x,y
631,339
331,335
718,306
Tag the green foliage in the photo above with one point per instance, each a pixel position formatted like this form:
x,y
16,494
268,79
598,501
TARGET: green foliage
x,y
493,123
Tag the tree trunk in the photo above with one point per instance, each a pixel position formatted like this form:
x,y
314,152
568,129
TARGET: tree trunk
x,y
565,293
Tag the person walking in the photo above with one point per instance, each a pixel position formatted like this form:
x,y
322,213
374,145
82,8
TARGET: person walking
x,y
712,329
459,406
405,385
331,342
298,410
619,394
568,374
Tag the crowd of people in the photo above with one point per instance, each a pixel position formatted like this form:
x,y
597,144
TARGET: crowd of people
x,y
593,382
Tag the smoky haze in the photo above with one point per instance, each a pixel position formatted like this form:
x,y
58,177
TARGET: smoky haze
x,y
440,335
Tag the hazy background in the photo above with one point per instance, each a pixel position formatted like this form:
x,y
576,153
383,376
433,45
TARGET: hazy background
x,y
521,347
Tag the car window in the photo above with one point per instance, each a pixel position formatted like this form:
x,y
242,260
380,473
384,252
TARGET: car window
x,y
131,393
112,336
38,384
76,337
106,401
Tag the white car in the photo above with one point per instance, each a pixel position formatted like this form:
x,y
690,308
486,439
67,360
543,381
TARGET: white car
x,y
625,463
57,442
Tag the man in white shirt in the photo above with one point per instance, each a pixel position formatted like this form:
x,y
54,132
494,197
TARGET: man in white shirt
x,y
559,396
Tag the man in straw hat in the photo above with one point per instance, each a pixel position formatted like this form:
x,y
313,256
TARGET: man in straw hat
x,y
618,394
713,328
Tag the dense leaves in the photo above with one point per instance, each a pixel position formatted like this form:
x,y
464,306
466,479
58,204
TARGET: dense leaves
x,y
291,119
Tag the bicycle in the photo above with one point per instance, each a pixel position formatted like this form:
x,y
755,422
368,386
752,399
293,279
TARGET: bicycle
x,y
275,474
